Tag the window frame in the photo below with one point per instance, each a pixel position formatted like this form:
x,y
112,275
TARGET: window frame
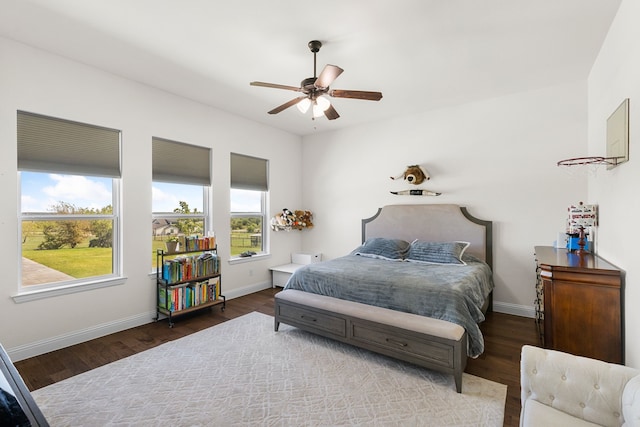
x,y
263,215
207,193
250,173
45,290
47,144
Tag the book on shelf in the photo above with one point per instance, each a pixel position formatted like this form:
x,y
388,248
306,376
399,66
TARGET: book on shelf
x,y
186,295
196,243
185,267
214,288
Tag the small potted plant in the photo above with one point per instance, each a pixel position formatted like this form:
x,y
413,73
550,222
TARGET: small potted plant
x,y
172,244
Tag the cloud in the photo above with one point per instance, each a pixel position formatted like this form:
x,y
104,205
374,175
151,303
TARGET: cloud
x,y
245,201
30,204
163,201
79,190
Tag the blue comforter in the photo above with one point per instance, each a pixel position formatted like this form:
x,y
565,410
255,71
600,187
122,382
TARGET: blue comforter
x,y
455,293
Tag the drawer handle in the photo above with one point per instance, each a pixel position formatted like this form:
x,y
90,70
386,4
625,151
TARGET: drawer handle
x,y
313,319
399,343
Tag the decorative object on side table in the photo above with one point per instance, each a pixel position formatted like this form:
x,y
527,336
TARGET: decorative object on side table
x,y
581,220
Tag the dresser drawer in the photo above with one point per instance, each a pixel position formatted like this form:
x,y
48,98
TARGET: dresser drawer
x,y
313,319
416,345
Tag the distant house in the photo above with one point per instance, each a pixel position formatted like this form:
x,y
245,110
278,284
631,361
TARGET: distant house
x,y
164,227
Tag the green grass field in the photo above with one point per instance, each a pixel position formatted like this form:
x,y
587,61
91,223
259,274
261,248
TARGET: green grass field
x,y
83,261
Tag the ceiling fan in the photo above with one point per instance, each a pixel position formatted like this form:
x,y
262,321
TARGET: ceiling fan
x,y
315,88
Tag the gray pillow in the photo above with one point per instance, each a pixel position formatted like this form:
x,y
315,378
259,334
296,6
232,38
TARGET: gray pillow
x,y
437,252
379,247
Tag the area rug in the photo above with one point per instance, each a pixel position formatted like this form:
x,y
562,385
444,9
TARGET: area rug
x,y
242,373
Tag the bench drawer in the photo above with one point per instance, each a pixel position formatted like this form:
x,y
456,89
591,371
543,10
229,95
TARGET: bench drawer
x,y
298,316
414,346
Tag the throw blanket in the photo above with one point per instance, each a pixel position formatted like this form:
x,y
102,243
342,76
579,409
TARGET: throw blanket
x,y
454,293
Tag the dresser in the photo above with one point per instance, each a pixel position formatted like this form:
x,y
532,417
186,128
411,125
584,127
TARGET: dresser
x,y
578,305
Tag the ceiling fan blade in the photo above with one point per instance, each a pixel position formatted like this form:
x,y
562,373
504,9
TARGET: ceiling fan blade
x,y
356,94
327,76
275,86
287,105
331,113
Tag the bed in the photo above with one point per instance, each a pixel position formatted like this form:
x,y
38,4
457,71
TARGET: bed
x,y
416,289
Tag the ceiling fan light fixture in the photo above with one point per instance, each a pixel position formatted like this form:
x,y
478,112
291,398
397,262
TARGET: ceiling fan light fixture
x,y
317,109
323,103
304,105
315,90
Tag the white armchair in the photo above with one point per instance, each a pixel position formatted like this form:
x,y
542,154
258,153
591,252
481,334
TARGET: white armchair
x,y
560,389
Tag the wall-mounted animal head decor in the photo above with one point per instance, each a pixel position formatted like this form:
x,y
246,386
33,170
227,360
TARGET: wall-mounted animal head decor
x,y
414,174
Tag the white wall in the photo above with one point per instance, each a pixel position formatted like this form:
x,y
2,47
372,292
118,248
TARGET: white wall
x,y
497,157
614,77
35,81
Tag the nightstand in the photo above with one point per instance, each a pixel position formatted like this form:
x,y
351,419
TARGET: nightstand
x,y
280,274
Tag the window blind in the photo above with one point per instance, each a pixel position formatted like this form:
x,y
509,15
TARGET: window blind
x,y
249,173
49,144
180,163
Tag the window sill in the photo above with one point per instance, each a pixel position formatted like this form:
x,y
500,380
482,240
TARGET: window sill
x,y
67,289
257,257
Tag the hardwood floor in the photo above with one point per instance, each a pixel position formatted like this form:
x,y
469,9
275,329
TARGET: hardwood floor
x,y
504,336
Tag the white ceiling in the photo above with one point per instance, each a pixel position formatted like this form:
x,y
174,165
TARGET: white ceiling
x,y
421,54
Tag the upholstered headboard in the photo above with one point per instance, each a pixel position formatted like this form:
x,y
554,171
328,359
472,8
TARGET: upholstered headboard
x,y
432,223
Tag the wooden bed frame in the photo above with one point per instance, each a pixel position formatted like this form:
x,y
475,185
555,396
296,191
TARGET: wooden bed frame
x,y
427,342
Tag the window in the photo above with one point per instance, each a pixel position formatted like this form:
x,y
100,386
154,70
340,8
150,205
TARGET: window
x,y
249,186
180,193
69,175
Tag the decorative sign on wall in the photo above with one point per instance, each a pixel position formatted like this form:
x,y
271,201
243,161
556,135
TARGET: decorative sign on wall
x,y
418,192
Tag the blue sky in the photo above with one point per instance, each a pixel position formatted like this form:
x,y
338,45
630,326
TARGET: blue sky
x,y
166,197
41,191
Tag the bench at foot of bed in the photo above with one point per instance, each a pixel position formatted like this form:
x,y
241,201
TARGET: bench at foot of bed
x,y
431,343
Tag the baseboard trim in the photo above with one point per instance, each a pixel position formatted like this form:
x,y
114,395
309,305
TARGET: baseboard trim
x,y
76,337
257,287
515,309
